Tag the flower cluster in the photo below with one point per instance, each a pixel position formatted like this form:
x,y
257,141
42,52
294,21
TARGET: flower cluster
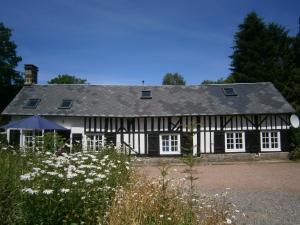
x,y
82,183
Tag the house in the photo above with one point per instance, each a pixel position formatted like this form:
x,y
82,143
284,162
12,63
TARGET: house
x,y
160,120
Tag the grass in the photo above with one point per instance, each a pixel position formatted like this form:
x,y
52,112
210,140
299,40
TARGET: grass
x,y
160,201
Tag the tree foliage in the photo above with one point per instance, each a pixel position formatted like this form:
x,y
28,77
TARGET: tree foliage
x,y
8,59
264,52
67,79
219,81
173,79
10,79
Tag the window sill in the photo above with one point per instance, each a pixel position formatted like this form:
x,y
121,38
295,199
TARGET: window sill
x,y
270,150
234,150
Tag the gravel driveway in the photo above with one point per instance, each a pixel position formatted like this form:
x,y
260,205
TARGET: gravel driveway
x,y
268,193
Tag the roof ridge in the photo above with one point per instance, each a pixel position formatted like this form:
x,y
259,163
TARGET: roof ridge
x,y
140,85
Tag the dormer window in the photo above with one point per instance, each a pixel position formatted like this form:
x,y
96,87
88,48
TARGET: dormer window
x,y
66,104
146,95
32,103
229,91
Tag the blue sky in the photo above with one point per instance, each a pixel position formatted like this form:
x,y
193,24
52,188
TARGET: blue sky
x,y
125,42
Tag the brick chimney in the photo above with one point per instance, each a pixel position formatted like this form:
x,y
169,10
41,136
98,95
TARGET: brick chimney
x,y
31,74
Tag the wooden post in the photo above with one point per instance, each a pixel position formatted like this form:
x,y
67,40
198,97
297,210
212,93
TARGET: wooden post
x,y
8,135
21,138
54,137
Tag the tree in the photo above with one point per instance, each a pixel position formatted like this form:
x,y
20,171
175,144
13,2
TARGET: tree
x,y
173,79
10,80
219,81
66,79
265,52
291,82
260,52
8,59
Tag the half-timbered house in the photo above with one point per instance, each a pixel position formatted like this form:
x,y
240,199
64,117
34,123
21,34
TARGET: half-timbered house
x,y
161,120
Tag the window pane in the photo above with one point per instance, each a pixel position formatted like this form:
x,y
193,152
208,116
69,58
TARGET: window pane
x,y
66,104
32,103
229,91
146,94
169,143
270,140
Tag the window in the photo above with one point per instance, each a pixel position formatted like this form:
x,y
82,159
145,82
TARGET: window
x,y
28,138
94,142
229,92
32,103
28,80
33,139
270,140
146,94
169,144
234,142
66,104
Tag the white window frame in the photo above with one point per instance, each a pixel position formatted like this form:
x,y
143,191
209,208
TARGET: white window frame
x,y
28,139
32,139
234,149
169,152
94,141
270,149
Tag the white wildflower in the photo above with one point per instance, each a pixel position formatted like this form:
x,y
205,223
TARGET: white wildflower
x,y
89,181
52,173
47,191
228,221
71,175
36,169
80,171
71,167
92,173
101,176
49,162
30,191
64,190
26,176
74,159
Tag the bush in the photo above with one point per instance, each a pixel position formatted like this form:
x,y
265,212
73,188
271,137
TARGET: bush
x,y
295,138
43,188
49,142
295,154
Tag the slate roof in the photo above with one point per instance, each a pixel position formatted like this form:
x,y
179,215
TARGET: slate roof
x,y
125,101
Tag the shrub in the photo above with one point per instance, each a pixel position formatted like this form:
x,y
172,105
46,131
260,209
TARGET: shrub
x,y
49,142
75,188
295,154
